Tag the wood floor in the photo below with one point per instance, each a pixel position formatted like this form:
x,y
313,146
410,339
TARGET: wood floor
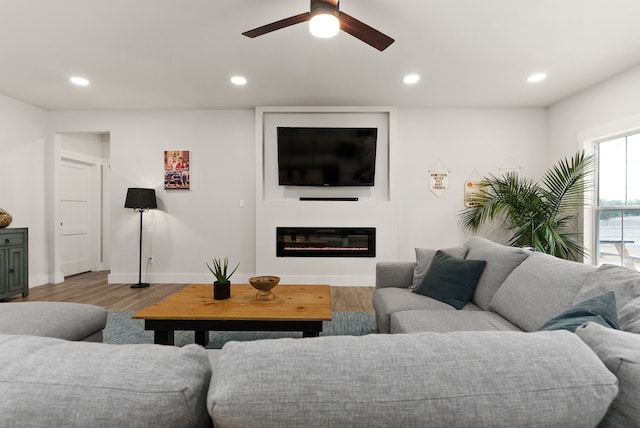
x,y
92,287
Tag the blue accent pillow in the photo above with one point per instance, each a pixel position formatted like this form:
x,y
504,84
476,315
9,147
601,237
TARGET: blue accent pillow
x,y
600,309
451,280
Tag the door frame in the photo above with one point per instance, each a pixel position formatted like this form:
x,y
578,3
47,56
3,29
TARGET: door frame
x,y
101,221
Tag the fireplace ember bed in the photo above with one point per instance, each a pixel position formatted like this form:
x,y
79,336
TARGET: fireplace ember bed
x,y
326,242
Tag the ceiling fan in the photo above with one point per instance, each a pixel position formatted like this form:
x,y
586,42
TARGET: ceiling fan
x,y
326,12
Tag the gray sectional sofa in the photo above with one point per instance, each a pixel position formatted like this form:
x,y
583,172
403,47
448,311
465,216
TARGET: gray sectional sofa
x,y
519,291
479,366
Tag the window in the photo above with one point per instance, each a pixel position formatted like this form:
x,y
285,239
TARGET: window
x,y
617,210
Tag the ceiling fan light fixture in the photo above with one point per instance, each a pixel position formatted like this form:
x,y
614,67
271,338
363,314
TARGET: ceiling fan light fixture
x,y
324,25
324,22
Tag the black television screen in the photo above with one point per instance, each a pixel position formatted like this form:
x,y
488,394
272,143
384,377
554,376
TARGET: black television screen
x,y
326,156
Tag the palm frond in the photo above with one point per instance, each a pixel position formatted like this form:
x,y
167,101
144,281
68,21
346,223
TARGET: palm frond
x,y
540,215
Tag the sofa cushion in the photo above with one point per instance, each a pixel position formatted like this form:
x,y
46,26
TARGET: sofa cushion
x,y
540,288
70,321
629,316
599,309
448,321
501,261
386,301
424,256
451,280
620,352
50,382
622,281
462,379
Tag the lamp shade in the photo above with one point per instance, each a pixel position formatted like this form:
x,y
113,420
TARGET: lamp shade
x,y
141,198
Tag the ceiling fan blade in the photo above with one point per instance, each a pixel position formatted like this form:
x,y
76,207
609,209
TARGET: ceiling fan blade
x,y
362,31
292,20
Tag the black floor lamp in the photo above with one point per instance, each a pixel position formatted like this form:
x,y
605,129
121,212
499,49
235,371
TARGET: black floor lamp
x,y
140,200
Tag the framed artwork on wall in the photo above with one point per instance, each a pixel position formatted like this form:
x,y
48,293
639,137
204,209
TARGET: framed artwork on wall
x,y
176,169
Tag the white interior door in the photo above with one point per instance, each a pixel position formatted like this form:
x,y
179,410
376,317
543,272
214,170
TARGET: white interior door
x,y
76,206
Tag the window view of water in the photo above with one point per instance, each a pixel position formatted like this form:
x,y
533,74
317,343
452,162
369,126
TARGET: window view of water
x,y
618,207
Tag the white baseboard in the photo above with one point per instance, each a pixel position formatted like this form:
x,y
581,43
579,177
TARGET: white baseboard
x,y
37,280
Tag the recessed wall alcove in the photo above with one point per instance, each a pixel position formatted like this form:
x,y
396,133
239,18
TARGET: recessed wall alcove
x,y
346,207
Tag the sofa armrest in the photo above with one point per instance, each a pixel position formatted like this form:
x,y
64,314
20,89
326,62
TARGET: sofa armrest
x,y
394,274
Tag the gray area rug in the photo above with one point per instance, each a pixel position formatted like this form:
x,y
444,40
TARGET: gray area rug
x,y
122,329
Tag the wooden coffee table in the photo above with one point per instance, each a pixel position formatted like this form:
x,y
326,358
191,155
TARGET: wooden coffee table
x,y
294,308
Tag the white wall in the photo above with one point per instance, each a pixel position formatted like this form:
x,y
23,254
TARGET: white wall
x,y
205,222
190,226
22,192
600,107
465,141
194,226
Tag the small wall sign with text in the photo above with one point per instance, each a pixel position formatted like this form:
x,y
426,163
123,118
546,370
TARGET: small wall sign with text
x,y
472,192
438,182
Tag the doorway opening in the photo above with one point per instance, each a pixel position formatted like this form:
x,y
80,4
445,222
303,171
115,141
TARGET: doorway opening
x,y
84,228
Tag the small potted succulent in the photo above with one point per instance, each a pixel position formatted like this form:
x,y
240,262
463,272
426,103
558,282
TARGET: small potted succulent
x,y
222,285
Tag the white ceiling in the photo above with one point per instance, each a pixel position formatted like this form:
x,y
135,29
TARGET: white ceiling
x,y
180,54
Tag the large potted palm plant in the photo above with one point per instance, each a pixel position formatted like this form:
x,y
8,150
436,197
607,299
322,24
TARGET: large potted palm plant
x,y
540,215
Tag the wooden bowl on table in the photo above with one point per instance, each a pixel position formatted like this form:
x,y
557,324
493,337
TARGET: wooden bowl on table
x,y
264,284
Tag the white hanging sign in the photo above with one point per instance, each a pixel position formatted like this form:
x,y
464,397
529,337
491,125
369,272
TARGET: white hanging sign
x,y
438,182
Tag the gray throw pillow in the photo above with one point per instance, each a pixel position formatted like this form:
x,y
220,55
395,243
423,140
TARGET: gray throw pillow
x,y
424,256
451,280
599,309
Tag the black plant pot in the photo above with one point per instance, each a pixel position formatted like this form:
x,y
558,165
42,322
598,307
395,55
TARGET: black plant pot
x,y
221,290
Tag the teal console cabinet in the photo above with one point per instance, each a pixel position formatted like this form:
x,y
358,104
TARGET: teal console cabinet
x,y
14,262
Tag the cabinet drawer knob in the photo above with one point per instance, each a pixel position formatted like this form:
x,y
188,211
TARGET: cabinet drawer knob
x,y
11,270
6,241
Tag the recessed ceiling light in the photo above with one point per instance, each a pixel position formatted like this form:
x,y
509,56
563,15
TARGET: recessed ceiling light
x,y
410,79
238,80
538,77
80,81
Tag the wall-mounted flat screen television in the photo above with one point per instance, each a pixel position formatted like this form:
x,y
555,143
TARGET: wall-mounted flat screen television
x,y
326,156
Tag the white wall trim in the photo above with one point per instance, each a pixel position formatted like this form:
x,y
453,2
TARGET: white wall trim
x,y
625,125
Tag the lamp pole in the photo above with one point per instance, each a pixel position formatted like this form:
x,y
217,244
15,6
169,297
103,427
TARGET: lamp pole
x,y
140,284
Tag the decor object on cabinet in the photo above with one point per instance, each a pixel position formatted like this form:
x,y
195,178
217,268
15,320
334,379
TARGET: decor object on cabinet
x,y
264,284
541,215
14,262
140,200
176,169
5,218
222,284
